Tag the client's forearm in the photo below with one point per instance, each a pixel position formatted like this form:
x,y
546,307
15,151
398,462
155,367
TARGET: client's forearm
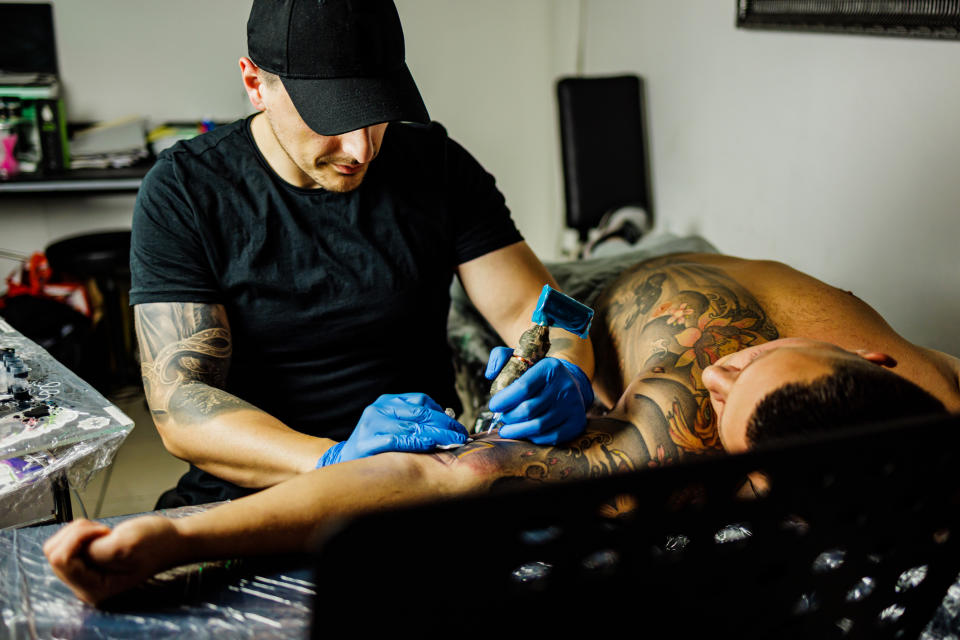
x,y
97,562
288,517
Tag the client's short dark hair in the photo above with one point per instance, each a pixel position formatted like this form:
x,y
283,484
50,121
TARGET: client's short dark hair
x,y
854,393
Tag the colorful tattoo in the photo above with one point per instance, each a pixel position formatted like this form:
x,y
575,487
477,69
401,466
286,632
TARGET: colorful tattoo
x,y
656,328
661,324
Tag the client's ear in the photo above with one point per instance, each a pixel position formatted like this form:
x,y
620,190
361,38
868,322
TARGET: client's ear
x,y
877,357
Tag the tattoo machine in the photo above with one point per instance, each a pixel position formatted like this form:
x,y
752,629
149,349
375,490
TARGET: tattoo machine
x,y
554,309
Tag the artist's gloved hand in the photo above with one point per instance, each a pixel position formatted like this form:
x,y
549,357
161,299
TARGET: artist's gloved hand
x,y
397,422
546,405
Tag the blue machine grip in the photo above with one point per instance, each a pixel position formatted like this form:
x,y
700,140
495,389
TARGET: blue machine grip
x,y
555,309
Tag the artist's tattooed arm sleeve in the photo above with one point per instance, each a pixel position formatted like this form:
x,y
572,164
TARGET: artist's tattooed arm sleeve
x,y
185,351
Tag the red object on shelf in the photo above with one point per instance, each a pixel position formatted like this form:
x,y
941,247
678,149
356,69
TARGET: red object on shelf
x,y
34,278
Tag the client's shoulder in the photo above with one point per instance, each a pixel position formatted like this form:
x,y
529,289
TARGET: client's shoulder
x,y
950,367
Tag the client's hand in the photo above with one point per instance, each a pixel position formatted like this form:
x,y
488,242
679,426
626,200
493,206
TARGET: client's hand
x,y
546,405
97,562
397,422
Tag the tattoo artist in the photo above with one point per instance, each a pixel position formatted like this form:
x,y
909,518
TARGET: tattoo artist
x,y
291,270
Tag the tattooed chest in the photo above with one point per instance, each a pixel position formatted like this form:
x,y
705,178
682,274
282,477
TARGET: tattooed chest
x,y
680,318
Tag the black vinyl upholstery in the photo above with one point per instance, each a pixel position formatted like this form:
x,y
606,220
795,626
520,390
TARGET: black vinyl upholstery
x,y
604,148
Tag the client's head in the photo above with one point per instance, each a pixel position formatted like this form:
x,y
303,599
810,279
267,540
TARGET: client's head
x,y
795,386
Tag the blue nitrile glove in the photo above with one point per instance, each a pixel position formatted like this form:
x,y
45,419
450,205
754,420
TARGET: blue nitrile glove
x,y
397,422
546,405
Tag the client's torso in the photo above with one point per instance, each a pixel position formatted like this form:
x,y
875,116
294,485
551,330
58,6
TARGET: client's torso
x,y
672,316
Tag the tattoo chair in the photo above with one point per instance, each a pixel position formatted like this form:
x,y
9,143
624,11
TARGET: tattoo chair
x,y
603,180
856,537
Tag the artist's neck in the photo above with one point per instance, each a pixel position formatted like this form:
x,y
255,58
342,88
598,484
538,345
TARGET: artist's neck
x,y
276,156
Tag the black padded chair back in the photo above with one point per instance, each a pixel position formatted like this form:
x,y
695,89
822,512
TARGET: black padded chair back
x,y
856,538
91,255
604,148
103,257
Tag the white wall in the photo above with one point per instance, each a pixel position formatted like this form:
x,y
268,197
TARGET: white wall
x,y
484,68
171,60
836,154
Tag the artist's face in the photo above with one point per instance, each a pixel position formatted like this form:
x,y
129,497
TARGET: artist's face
x,y
334,163
738,382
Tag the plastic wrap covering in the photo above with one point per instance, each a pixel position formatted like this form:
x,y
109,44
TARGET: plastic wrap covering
x,y
265,598
55,426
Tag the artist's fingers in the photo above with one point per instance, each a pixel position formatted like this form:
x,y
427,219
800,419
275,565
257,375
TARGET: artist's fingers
x,y
413,437
530,384
401,412
535,407
380,443
420,400
415,399
497,360
424,438
442,421
527,430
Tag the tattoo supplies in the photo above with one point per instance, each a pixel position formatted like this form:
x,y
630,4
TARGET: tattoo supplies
x,y
552,383
13,376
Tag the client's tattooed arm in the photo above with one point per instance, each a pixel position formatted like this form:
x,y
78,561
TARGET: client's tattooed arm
x,y
634,435
185,351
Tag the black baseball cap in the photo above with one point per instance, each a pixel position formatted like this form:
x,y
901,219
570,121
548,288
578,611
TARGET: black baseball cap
x,y
341,61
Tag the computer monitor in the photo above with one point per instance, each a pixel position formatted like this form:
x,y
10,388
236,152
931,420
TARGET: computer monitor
x,y
27,43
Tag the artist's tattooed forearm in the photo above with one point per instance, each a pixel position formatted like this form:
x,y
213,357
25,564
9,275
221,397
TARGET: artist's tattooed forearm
x,y
183,345
194,403
668,319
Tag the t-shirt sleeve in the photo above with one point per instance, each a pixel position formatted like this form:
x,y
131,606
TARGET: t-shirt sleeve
x,y
168,258
482,220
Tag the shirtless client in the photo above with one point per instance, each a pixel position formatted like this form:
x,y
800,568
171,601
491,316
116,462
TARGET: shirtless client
x,y
695,354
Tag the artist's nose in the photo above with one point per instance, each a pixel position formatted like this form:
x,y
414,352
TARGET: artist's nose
x,y
718,378
358,145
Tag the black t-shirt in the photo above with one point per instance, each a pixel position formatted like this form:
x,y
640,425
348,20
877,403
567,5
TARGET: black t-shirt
x,y
332,298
